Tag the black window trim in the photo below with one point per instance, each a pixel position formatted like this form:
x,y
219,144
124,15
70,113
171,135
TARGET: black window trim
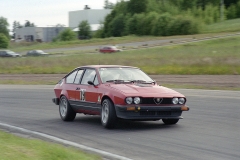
x,y
85,68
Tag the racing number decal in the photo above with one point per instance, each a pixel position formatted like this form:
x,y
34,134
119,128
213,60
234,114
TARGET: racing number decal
x,y
82,94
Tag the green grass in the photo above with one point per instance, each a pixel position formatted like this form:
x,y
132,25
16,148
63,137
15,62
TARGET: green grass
x,y
219,56
25,46
14,147
225,26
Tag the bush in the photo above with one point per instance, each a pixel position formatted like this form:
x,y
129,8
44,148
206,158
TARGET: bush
x,y
233,11
4,41
183,26
66,35
84,29
209,15
161,26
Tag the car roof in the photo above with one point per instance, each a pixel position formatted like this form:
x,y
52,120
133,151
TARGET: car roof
x,y
5,50
106,66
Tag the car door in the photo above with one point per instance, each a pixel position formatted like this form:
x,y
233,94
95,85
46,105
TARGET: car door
x,y
72,85
88,97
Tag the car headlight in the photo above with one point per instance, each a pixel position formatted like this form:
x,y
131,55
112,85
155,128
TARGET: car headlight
x,y
181,100
175,100
129,100
136,100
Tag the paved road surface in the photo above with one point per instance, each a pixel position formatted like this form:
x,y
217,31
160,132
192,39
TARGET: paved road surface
x,y
210,130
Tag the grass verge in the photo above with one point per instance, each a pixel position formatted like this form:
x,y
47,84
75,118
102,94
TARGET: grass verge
x,y
212,57
14,147
225,26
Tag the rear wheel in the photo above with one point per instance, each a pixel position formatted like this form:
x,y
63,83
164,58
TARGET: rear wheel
x,y
108,114
65,110
170,121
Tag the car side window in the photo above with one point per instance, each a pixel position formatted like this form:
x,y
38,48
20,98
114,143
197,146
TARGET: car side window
x,y
89,75
70,78
78,76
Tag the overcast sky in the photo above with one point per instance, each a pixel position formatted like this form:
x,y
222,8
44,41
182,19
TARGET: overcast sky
x,y
44,13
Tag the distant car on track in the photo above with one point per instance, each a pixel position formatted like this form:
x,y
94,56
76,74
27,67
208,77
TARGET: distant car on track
x,y
8,53
109,49
36,53
114,92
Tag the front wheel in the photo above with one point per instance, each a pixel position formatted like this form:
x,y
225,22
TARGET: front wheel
x,y
65,110
170,121
108,114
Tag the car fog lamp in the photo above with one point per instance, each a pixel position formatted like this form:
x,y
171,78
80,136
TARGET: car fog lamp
x,y
136,100
175,100
181,100
129,100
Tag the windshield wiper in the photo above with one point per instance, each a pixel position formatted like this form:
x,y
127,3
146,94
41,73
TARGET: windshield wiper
x,y
116,80
141,81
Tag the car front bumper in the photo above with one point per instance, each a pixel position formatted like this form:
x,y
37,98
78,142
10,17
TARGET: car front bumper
x,y
150,112
55,101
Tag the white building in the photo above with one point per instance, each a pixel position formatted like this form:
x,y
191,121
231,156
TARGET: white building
x,y
93,16
41,34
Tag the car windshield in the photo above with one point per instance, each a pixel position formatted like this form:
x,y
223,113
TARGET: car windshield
x,y
123,74
113,47
11,52
39,51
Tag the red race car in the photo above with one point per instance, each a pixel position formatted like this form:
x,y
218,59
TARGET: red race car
x,y
109,49
113,92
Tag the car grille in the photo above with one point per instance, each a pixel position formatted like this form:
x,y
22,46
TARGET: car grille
x,y
153,113
151,101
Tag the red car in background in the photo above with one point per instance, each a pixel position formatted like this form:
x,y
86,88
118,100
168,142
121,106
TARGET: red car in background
x,y
109,49
114,92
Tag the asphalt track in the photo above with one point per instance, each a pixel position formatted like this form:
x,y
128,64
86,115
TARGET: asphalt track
x,y
209,131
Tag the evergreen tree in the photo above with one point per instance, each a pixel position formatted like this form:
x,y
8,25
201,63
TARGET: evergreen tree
x,y
84,30
4,41
137,6
4,27
108,5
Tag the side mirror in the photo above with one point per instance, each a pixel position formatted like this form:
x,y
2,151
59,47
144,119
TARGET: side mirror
x,y
90,83
154,81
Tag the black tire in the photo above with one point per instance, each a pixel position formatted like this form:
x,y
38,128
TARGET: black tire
x,y
170,121
108,114
65,110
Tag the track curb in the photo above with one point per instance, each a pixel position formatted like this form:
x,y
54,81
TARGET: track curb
x,y
20,130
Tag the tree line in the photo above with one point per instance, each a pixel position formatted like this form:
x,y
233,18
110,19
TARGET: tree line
x,y
165,17
145,17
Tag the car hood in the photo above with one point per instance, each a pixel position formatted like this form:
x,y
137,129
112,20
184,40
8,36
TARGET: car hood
x,y
145,90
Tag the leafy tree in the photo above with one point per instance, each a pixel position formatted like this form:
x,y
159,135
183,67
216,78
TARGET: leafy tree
x,y
29,24
228,3
118,26
183,25
131,25
233,10
137,6
84,29
148,22
4,26
66,35
99,33
16,25
4,41
60,25
108,5
161,26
